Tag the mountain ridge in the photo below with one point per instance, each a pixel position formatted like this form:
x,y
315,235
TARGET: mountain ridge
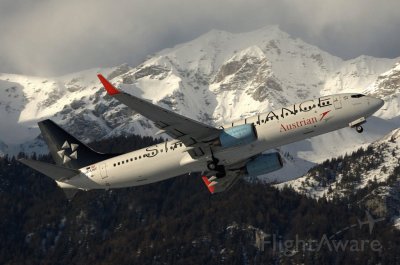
x,y
216,78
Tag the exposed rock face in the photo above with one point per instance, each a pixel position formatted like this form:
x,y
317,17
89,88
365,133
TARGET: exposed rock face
x,y
120,70
388,84
384,201
153,72
374,171
217,78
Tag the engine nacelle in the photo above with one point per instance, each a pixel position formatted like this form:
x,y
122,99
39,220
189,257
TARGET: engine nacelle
x,y
237,135
264,164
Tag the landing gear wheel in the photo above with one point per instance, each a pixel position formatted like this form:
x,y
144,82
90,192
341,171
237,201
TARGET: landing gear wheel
x,y
211,165
214,166
359,129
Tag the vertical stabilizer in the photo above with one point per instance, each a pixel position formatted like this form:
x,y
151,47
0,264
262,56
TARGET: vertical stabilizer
x,y
66,150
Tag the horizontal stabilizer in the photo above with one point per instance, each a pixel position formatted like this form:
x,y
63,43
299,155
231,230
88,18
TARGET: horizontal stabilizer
x,y
55,172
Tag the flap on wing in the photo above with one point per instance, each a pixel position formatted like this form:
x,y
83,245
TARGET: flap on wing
x,y
55,172
216,185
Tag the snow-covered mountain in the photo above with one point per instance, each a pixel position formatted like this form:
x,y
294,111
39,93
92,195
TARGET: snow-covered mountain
x,y
343,175
373,172
217,78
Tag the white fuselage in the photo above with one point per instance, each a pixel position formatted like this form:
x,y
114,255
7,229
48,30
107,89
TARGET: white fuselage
x,y
274,129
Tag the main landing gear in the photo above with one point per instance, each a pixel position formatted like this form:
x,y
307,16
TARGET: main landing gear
x,y
359,129
214,166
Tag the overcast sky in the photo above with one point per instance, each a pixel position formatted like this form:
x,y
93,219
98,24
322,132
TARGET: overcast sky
x,y
53,37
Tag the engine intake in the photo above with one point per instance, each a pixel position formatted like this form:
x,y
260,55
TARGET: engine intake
x,y
264,164
237,135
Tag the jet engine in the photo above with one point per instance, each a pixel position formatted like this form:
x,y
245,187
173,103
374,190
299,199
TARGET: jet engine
x,y
237,135
264,164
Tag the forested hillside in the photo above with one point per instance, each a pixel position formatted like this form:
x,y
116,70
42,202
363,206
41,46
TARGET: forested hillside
x,y
178,222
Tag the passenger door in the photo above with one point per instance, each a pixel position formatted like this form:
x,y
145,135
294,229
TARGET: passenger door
x,y
103,171
103,174
337,102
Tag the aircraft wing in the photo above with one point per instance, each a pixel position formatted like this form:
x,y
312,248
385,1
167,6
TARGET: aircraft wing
x,y
190,132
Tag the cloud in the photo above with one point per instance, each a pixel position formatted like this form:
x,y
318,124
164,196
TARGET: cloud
x,y
49,37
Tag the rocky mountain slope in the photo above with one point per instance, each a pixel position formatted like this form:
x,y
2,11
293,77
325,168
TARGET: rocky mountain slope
x,y
373,172
217,78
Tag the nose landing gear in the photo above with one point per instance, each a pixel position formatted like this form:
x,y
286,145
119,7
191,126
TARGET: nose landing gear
x,y
357,124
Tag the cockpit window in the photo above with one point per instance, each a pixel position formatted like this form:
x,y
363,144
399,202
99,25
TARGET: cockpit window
x,y
357,96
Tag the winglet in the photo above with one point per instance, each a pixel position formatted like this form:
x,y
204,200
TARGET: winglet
x,y
207,182
111,90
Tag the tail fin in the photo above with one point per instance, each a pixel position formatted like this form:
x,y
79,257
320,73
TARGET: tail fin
x,y
66,150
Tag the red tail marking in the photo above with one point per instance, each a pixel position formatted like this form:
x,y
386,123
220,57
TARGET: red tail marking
x,y
207,182
111,90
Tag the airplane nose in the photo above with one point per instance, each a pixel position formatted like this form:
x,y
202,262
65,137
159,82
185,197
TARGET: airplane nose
x,y
376,103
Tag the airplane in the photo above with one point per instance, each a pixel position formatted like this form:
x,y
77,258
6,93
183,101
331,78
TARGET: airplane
x,y
370,221
222,155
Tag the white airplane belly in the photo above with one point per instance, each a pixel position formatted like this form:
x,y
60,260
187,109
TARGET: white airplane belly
x,y
148,170
85,181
